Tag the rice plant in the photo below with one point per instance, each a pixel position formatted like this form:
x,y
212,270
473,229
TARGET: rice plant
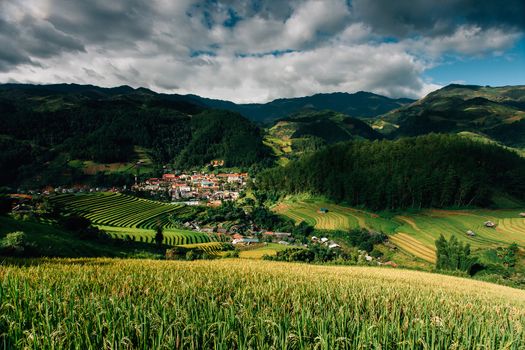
x,y
243,304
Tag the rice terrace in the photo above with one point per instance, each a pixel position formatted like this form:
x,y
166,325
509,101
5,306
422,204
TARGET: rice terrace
x,y
127,216
414,233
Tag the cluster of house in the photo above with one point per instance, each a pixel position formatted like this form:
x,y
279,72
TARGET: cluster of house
x,y
323,240
278,237
197,188
79,188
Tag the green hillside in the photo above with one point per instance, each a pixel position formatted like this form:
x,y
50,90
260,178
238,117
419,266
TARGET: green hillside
x,y
129,217
52,241
62,134
309,131
498,112
423,172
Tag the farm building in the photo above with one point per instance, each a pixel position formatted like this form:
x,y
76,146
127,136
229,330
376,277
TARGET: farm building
x,y
282,234
522,215
324,240
470,233
334,245
314,239
237,236
323,210
489,224
245,241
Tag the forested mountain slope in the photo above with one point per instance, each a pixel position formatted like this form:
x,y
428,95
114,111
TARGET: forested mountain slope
x,y
44,127
360,105
426,171
497,112
308,131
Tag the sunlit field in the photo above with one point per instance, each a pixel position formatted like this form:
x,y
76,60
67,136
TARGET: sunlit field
x,y
415,233
242,304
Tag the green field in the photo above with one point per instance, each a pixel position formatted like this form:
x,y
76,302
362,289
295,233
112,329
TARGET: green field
x,y
130,217
259,252
244,304
89,167
414,233
211,248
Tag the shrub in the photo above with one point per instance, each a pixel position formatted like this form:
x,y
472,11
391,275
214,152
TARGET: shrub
x,y
15,244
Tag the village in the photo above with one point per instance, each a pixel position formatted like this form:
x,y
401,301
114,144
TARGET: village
x,y
197,188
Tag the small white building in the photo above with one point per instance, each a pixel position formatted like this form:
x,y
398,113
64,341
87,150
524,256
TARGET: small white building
x,y
245,241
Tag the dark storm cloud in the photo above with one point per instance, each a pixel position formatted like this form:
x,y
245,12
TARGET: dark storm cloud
x,y
434,18
97,21
31,38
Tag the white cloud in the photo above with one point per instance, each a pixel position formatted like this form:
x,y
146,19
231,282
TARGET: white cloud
x,y
183,47
469,40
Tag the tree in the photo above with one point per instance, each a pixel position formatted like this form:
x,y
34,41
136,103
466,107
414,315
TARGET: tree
x,y
453,255
14,243
159,236
76,223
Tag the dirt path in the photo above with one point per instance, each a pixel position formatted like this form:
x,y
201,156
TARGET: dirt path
x,y
410,222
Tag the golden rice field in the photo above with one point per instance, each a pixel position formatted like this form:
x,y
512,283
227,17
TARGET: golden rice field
x,y
415,233
249,304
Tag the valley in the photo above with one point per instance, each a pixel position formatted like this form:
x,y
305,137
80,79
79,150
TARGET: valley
x,y
333,201
261,174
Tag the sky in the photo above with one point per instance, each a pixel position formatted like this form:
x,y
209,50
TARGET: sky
x,y
260,50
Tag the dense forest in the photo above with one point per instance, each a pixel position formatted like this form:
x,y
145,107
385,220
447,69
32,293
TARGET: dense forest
x,y
426,171
223,135
43,129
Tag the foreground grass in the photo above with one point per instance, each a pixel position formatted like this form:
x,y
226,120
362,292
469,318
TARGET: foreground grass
x,y
229,304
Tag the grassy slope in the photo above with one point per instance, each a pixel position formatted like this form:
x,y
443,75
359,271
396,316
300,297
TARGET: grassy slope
x,y
415,233
53,241
241,304
498,112
91,168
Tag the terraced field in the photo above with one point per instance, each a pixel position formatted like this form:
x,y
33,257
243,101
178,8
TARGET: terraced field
x,y
211,248
415,233
337,218
129,217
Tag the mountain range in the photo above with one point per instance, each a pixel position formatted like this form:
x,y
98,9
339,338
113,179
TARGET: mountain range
x,y
47,130
360,104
